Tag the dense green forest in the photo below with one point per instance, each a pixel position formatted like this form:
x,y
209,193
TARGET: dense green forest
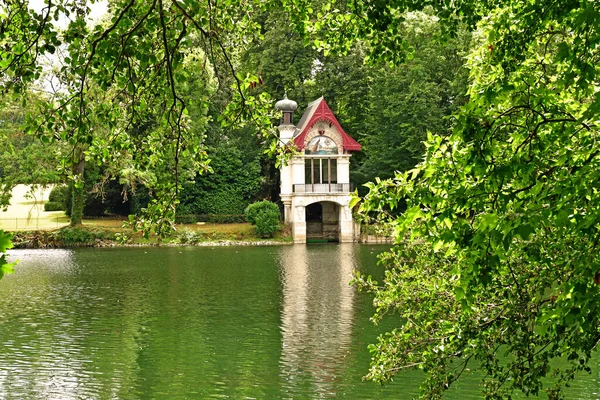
x,y
388,109
495,262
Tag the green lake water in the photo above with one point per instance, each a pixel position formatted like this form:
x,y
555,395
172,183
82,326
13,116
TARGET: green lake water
x,y
275,322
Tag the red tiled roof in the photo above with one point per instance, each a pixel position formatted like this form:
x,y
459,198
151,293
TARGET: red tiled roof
x,y
320,111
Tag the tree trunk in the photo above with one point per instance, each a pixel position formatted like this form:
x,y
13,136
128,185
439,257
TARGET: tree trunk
x,y
78,191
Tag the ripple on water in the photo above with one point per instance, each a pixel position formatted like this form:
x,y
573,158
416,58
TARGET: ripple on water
x,y
199,323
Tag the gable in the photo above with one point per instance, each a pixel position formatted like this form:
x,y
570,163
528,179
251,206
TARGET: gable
x,y
319,111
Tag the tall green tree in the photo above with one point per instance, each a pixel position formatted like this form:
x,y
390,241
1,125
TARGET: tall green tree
x,y
496,256
24,159
408,100
389,108
123,72
133,60
280,57
233,184
233,176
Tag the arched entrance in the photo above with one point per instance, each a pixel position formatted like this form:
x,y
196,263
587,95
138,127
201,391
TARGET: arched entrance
x,y
323,221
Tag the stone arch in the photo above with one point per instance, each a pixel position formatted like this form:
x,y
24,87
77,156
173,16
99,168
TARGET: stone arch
x,y
323,127
323,220
321,199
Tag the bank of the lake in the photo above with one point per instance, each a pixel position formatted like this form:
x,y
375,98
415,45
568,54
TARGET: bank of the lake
x,y
98,236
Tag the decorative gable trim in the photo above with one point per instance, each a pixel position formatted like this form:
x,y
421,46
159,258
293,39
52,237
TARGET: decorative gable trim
x,y
322,112
331,134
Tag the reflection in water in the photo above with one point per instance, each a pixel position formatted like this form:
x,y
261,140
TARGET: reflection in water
x,y
266,323
317,315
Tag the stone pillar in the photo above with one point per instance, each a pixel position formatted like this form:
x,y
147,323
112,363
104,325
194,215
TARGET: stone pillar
x,y
298,169
343,169
299,224
346,225
285,181
286,132
287,208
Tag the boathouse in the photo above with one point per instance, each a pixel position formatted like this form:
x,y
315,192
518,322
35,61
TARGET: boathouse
x,y
315,183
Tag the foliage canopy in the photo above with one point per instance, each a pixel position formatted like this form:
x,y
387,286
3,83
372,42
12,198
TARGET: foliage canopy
x,y
496,257
503,212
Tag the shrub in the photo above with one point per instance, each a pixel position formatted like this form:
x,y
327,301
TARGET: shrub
x,y
59,194
265,215
188,236
53,206
57,199
225,218
76,235
185,219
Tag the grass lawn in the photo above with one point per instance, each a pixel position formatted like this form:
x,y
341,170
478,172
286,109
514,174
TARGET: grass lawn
x,y
225,229
26,213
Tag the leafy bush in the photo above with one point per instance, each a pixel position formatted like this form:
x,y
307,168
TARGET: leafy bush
x,y
59,194
70,236
265,215
225,218
57,199
185,219
188,236
54,206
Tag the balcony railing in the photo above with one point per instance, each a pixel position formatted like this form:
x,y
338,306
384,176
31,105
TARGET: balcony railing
x,y
323,188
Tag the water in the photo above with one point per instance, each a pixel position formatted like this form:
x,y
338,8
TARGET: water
x,y
198,322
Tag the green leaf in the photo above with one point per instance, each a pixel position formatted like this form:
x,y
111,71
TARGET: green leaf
x,y
412,214
525,231
5,241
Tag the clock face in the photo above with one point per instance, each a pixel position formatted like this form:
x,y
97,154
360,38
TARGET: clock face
x,y
321,145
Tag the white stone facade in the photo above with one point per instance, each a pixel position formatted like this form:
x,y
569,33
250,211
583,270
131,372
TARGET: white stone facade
x,y
315,184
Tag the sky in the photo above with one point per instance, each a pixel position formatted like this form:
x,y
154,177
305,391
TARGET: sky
x,y
97,10
49,83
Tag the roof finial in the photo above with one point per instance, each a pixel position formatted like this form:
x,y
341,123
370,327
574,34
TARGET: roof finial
x,y
286,104
285,93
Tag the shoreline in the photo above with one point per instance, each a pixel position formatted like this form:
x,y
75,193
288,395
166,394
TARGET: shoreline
x,y
108,245
66,238
217,243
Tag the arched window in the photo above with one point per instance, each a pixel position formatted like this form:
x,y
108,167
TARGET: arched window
x,y
321,145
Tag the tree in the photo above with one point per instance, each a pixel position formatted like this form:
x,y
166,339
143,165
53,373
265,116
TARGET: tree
x,y
280,57
233,183
24,158
124,72
496,256
408,100
389,108
235,154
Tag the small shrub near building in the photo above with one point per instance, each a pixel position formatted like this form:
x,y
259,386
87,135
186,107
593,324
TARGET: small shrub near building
x,y
265,215
57,199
